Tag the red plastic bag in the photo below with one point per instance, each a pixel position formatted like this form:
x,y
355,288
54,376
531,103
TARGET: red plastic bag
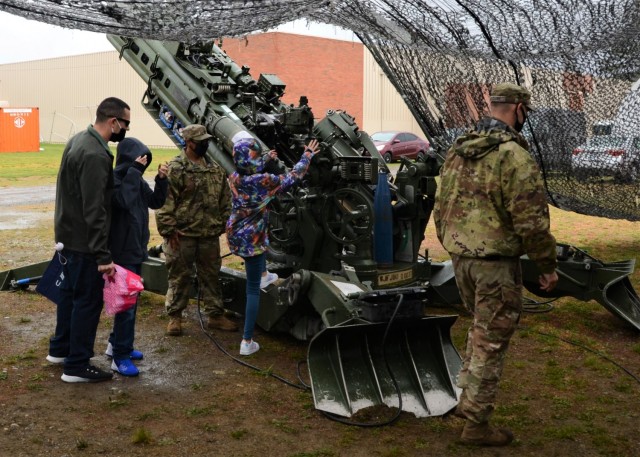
x,y
121,290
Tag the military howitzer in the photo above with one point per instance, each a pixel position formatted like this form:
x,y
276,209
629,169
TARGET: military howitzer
x,y
322,237
358,314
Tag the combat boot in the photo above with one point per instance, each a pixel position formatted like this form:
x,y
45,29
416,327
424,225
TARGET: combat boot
x,y
485,435
175,326
221,323
459,411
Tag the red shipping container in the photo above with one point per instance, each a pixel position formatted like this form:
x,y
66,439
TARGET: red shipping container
x,y
19,129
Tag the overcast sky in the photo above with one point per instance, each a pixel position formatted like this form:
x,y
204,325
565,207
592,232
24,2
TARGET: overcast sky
x,y
24,40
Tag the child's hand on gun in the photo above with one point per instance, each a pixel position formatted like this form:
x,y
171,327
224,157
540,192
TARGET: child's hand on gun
x,y
313,146
272,155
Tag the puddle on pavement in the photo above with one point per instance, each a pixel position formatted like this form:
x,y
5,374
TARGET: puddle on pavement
x,y
16,220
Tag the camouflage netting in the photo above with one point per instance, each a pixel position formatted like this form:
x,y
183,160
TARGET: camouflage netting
x,y
580,58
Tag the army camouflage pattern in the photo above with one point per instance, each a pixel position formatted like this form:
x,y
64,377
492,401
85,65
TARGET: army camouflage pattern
x,y
205,253
198,202
492,291
511,93
491,200
195,132
198,205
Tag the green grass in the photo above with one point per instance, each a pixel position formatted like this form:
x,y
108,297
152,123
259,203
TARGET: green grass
x,y
199,412
81,444
119,400
283,425
238,434
141,436
319,453
154,414
568,432
29,355
21,169
31,167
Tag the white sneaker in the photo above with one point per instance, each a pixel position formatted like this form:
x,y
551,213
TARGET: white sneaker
x,y
249,348
55,360
135,354
269,278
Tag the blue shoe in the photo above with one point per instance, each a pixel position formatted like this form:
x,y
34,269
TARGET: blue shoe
x,y
125,367
135,355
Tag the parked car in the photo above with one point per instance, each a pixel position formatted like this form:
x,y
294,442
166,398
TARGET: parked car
x,y
546,144
608,155
393,145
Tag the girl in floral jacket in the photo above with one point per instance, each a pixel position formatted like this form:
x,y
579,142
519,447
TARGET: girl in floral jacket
x,y
247,226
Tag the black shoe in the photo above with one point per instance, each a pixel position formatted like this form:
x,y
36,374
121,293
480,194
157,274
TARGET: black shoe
x,y
86,374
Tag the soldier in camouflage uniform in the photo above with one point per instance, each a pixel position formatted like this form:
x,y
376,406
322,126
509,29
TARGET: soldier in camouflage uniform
x,y
491,209
191,221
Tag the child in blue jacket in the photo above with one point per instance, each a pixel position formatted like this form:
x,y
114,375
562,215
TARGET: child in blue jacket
x,y
247,226
129,237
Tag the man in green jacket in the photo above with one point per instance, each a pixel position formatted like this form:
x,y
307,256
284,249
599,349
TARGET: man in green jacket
x,y
191,221
490,209
82,220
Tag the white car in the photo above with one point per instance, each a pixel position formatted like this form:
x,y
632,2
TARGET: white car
x,y
607,155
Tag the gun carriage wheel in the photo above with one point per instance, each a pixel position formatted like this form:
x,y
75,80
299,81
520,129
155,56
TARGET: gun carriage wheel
x,y
284,219
347,216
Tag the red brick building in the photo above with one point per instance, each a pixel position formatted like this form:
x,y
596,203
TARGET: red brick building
x,y
329,72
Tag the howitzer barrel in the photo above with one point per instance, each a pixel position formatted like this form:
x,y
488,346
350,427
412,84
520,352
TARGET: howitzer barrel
x,y
172,87
227,132
179,99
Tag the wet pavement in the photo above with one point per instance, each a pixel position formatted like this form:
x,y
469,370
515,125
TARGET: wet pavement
x,y
13,219
14,196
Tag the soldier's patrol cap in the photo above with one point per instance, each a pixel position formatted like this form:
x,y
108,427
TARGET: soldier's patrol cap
x,y
195,132
511,93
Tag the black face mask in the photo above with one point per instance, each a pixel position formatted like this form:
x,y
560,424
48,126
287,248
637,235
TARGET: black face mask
x,y
117,137
519,125
201,148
